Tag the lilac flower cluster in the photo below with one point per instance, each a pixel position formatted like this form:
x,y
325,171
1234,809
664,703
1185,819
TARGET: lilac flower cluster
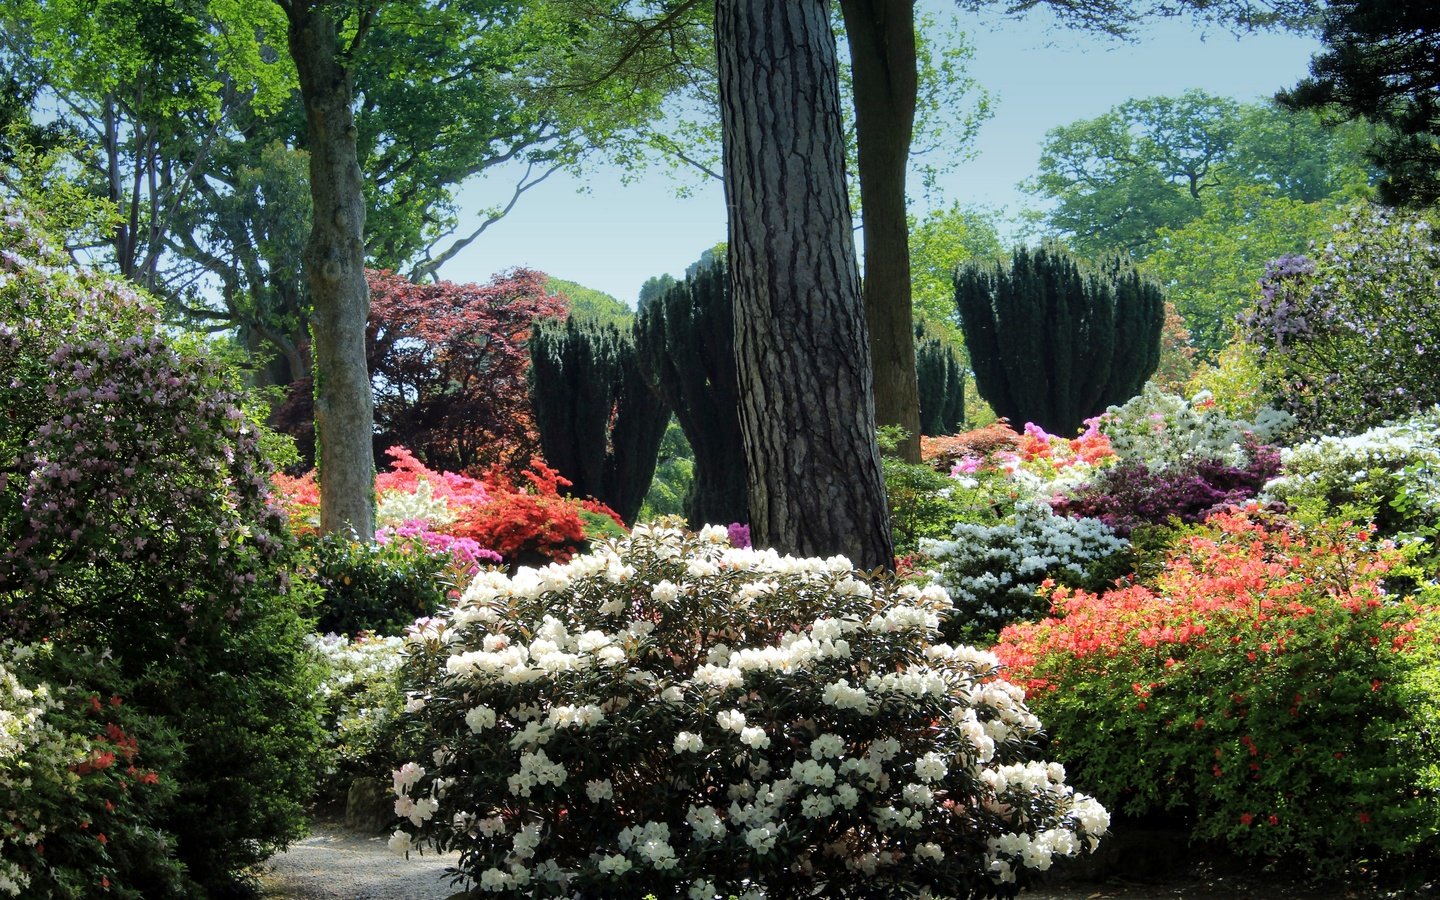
x,y
124,451
1351,338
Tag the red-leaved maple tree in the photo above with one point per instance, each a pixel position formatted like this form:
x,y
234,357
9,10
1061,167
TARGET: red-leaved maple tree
x,y
448,362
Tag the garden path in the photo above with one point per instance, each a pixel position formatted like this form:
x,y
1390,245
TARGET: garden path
x,y
336,863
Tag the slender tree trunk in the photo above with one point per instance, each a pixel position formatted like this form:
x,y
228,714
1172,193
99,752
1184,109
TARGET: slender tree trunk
x,y
335,267
806,412
881,34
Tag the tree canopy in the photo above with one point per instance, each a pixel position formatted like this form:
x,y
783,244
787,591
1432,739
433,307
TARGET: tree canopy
x,y
1380,63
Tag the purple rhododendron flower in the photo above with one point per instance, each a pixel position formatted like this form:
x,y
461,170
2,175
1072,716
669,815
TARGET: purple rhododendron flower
x,y
739,535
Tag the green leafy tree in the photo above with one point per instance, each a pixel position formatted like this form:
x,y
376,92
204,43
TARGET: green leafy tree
x,y
1159,163
1210,266
588,303
1144,165
943,240
148,89
1052,342
1379,63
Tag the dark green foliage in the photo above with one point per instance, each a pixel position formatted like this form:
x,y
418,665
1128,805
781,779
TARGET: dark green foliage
x,y
369,586
1380,63
600,423
685,342
942,383
1054,343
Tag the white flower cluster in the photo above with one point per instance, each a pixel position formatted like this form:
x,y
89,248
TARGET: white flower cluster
x,y
651,843
395,508
22,734
1163,429
1374,467
994,571
669,677
1015,850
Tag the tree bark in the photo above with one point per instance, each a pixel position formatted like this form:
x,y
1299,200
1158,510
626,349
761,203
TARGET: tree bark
x,y
806,412
881,34
335,268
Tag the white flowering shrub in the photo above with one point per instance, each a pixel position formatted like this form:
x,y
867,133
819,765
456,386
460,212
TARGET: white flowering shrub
x,y
1162,430
1390,474
361,704
676,716
27,748
994,573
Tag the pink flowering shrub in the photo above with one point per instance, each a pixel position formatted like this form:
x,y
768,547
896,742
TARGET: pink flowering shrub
x,y
135,514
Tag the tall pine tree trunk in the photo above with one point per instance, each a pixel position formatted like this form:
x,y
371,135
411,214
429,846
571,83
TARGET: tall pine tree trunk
x,y
335,267
806,412
881,34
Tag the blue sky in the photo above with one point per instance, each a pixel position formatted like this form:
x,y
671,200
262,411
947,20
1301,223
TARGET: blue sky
x,y
612,236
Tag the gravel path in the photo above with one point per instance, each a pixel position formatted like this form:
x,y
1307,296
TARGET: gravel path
x,y
335,863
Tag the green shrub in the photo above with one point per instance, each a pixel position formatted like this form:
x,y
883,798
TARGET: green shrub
x,y
135,517
1266,691
370,586
1389,475
362,710
923,502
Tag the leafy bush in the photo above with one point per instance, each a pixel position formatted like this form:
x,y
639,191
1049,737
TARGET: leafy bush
x,y
677,716
374,586
1266,688
1351,338
362,704
78,782
1389,475
135,516
994,573
923,503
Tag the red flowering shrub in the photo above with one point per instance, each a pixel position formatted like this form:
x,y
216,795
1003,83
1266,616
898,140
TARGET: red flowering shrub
x,y
1265,688
525,522
525,525
79,781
